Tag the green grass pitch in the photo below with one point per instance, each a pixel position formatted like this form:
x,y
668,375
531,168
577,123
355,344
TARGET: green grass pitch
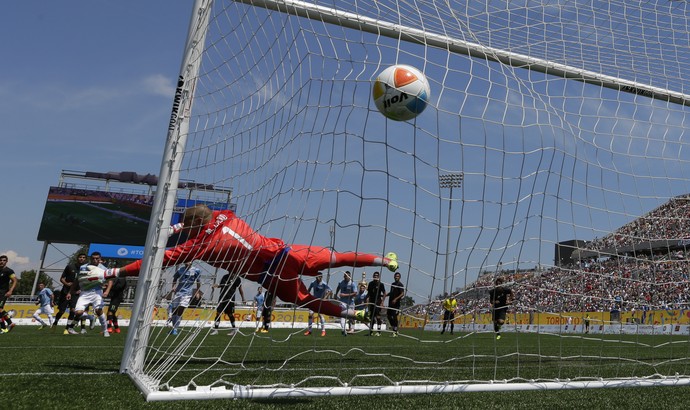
x,y
46,369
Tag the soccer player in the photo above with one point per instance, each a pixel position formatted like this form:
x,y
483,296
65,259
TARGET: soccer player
x,y
320,290
8,281
450,306
69,275
587,321
229,284
90,293
361,296
394,299
186,282
45,301
346,292
117,293
259,303
225,241
376,293
267,311
501,297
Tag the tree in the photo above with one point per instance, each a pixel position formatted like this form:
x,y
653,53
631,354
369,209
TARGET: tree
x,y
25,282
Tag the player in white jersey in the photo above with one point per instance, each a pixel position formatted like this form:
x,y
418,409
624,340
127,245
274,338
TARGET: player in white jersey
x,y
91,293
45,301
185,284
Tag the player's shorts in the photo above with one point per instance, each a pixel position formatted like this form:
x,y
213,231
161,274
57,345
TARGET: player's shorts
x,y
499,314
226,306
63,303
181,301
115,303
45,310
448,315
87,298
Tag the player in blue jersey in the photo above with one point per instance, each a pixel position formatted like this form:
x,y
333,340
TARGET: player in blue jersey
x,y
346,292
186,283
45,301
320,290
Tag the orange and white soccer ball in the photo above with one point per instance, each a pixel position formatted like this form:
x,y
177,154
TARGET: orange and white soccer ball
x,y
401,92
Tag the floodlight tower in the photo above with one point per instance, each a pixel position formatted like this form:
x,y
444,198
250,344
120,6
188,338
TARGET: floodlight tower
x,y
450,181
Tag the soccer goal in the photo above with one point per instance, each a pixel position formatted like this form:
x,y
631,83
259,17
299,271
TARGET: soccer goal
x,y
553,154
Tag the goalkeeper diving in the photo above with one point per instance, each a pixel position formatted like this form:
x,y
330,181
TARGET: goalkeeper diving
x,y
223,240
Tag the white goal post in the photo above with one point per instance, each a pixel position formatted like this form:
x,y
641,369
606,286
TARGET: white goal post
x,y
552,155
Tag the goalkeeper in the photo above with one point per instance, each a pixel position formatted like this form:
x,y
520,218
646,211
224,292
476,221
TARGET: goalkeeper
x,y
225,241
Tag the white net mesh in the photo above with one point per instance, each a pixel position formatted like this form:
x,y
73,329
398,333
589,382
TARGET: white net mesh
x,y
572,151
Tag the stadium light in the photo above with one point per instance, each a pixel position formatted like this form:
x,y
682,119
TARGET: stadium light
x,y
450,181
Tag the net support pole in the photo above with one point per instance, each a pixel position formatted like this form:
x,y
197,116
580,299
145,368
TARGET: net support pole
x,y
166,192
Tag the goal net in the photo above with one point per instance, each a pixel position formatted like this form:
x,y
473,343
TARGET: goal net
x,y
552,154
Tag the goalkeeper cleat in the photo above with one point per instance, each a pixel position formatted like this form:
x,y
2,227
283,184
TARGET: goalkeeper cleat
x,y
392,264
362,316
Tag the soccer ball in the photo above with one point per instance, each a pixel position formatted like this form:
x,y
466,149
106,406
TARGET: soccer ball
x,y
401,92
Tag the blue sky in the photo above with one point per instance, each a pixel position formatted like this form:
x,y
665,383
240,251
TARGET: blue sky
x,y
86,86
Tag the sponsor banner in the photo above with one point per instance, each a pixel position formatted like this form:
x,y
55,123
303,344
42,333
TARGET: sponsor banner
x,y
117,251
609,329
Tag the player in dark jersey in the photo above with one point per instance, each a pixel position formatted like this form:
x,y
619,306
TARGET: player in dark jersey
x,y
117,293
267,312
376,292
69,275
394,298
501,297
8,281
228,285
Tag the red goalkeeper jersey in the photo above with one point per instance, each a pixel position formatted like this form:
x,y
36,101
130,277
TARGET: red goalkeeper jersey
x,y
227,242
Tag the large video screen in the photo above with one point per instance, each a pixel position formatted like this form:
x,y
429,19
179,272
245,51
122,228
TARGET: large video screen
x,y
83,216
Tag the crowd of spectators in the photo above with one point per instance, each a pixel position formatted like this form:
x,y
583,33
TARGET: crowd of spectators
x,y
669,221
625,282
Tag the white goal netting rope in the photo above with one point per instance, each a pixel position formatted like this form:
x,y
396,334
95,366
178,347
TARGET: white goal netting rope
x,y
565,125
